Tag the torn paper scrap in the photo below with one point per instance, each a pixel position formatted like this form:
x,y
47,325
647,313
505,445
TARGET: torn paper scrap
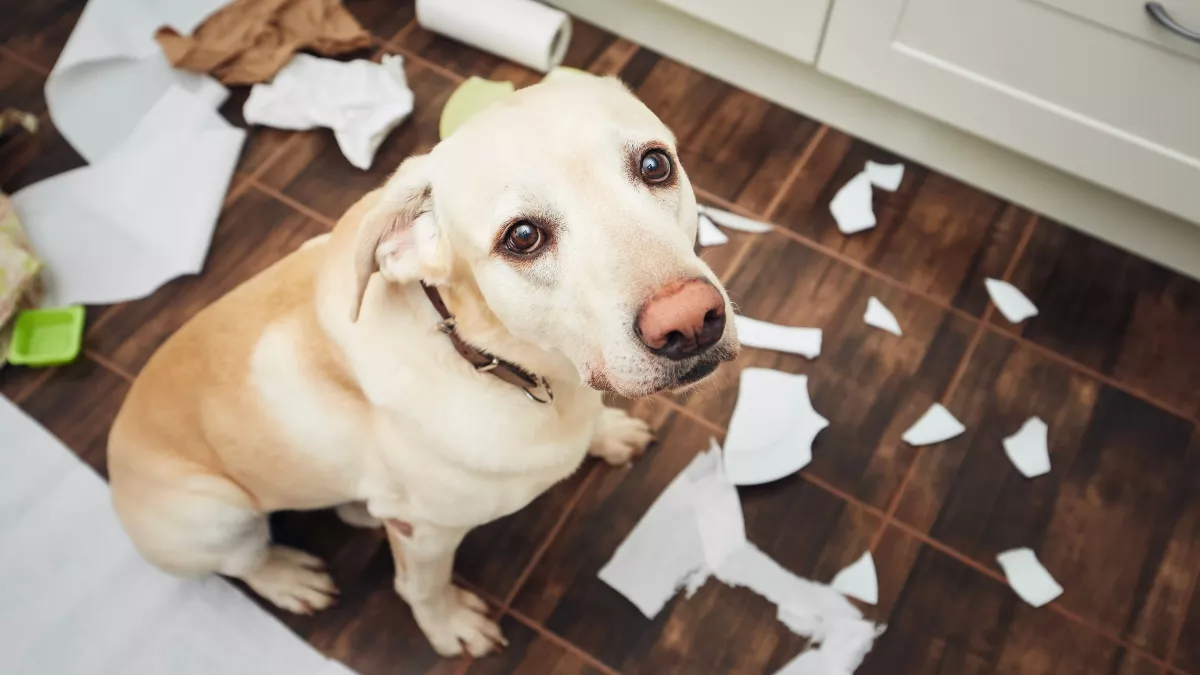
x,y
762,335
160,159
879,316
1028,448
935,426
840,650
717,507
361,101
858,580
1027,577
249,41
772,429
80,579
733,221
708,234
663,553
851,206
1011,302
885,176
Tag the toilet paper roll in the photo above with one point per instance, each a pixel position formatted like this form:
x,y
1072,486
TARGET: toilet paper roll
x,y
524,31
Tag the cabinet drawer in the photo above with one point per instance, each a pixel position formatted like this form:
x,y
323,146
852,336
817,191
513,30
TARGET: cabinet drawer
x,y
1082,85
789,26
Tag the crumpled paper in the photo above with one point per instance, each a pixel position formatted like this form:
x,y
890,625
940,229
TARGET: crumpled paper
x,y
361,101
249,41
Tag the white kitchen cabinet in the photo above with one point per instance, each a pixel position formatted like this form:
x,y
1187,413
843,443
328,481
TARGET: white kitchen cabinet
x,y
1093,87
792,27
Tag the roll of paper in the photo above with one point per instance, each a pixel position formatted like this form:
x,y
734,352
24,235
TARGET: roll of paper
x,y
523,31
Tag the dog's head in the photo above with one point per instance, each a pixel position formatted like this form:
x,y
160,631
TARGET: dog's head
x,y
567,207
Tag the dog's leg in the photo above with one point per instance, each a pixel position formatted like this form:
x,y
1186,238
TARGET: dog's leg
x,y
619,437
453,619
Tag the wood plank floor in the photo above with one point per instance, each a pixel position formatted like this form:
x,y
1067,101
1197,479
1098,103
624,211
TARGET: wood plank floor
x,y
1112,364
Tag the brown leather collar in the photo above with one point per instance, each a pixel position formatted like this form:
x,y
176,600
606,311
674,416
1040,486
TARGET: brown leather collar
x,y
532,385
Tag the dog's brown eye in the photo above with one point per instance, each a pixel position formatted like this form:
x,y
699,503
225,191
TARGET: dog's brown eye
x,y
656,166
523,238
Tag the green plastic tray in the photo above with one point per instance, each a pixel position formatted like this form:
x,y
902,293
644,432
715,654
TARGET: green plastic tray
x,y
47,337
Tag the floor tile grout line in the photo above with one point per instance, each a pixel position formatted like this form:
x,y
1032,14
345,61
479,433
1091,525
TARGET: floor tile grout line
x,y
805,155
26,393
402,33
1022,244
955,379
26,63
941,304
421,60
1055,607
562,642
1177,630
616,68
294,204
552,535
107,364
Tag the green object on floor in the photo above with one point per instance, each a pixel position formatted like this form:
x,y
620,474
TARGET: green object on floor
x,y
468,99
47,337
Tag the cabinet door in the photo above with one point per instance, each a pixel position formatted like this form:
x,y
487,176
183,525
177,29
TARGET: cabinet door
x,y
1090,87
789,26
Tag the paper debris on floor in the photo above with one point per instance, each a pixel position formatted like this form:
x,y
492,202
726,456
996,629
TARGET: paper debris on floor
x,y
935,426
772,429
1011,302
361,101
879,316
733,221
885,176
159,155
695,530
1028,578
249,41
708,234
851,206
858,580
1028,448
80,599
791,339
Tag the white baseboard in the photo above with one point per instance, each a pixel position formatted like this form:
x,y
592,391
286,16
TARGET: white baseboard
x,y
1132,225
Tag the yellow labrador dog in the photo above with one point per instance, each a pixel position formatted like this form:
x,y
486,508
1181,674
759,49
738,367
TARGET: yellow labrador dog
x,y
434,363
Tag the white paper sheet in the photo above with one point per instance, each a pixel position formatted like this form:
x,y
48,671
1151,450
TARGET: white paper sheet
x,y
885,176
1028,449
843,647
1011,302
1028,578
763,335
160,158
879,316
859,580
734,221
935,426
716,507
360,101
79,599
708,234
662,553
851,206
772,429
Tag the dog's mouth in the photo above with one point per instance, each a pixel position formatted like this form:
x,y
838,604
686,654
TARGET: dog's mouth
x,y
693,376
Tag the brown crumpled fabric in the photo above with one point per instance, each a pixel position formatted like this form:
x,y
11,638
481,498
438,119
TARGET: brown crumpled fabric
x,y
248,41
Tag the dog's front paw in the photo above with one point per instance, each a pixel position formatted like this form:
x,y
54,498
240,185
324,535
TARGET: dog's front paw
x,y
462,625
620,437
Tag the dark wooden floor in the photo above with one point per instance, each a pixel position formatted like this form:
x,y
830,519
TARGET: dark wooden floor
x,y
1112,364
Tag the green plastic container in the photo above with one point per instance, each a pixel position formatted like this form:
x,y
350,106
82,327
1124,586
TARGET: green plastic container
x,y
47,337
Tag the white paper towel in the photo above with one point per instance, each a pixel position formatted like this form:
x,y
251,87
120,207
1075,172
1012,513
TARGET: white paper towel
x,y
77,598
524,31
160,158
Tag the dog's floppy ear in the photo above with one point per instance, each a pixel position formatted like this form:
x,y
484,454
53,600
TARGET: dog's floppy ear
x,y
399,237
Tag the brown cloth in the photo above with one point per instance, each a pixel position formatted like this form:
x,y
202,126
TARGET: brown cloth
x,y
248,41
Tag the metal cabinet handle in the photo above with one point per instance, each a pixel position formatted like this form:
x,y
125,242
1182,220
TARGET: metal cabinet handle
x,y
1164,19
